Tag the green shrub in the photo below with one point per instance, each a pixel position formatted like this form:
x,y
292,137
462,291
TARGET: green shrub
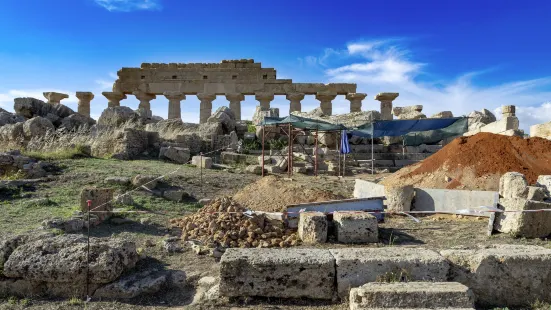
x,y
251,128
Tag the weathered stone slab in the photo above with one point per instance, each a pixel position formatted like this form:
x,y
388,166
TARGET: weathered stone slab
x,y
312,227
524,224
145,282
356,227
366,189
281,273
435,199
411,295
503,275
357,266
62,259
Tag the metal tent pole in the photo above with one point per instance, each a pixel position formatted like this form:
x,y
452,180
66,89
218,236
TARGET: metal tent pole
x,y
372,157
338,150
316,155
263,134
289,152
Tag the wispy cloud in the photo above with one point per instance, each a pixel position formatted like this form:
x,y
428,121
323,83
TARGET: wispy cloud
x,y
387,66
130,5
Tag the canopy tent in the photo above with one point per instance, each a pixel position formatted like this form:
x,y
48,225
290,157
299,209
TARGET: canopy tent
x,y
396,128
301,123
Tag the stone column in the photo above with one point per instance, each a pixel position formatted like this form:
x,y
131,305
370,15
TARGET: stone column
x,y
295,99
386,104
84,98
144,98
174,107
235,104
264,99
205,109
508,110
55,98
113,98
325,99
355,101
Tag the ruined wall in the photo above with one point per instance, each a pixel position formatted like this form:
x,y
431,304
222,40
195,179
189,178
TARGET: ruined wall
x,y
230,76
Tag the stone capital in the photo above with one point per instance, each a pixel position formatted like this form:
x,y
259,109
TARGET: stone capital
x,y
143,96
174,95
508,110
295,96
235,97
113,96
55,98
206,97
264,96
386,96
326,96
84,95
355,96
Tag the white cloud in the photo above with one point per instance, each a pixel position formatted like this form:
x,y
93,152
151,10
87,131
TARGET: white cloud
x,y
6,99
130,5
386,66
104,85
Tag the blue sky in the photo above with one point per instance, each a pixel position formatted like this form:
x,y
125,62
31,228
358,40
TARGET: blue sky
x,y
445,55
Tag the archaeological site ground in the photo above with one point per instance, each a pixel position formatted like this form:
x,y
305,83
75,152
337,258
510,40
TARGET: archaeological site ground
x,y
372,209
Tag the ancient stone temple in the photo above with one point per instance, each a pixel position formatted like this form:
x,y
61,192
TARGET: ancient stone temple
x,y
233,79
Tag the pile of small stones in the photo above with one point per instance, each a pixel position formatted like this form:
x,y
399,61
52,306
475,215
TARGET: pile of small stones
x,y
224,223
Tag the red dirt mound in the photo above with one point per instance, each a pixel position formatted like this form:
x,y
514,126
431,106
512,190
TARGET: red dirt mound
x,y
477,162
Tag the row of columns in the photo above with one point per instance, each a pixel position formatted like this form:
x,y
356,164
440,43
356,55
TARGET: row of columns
x,y
235,99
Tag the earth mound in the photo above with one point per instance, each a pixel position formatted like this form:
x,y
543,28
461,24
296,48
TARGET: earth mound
x,y
273,194
477,162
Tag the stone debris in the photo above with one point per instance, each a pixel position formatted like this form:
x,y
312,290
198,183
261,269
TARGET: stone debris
x,y
478,119
280,273
512,275
411,295
118,181
541,130
544,181
313,227
207,289
13,162
443,114
357,266
523,224
254,169
356,227
223,223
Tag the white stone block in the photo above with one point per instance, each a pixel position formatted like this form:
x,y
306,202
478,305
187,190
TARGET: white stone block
x,y
523,224
513,185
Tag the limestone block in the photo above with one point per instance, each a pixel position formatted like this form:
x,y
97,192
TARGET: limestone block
x,y
523,224
313,227
513,185
280,273
145,282
443,114
254,169
504,124
356,227
357,266
37,127
205,162
411,295
397,111
272,169
176,154
505,275
101,201
398,198
508,110
62,259
537,193
541,130
299,169
174,194
544,181
147,181
55,98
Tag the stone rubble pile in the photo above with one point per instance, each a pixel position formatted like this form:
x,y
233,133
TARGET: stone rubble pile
x,y
223,223
14,162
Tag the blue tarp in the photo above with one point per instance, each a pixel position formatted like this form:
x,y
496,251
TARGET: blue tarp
x,y
396,128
